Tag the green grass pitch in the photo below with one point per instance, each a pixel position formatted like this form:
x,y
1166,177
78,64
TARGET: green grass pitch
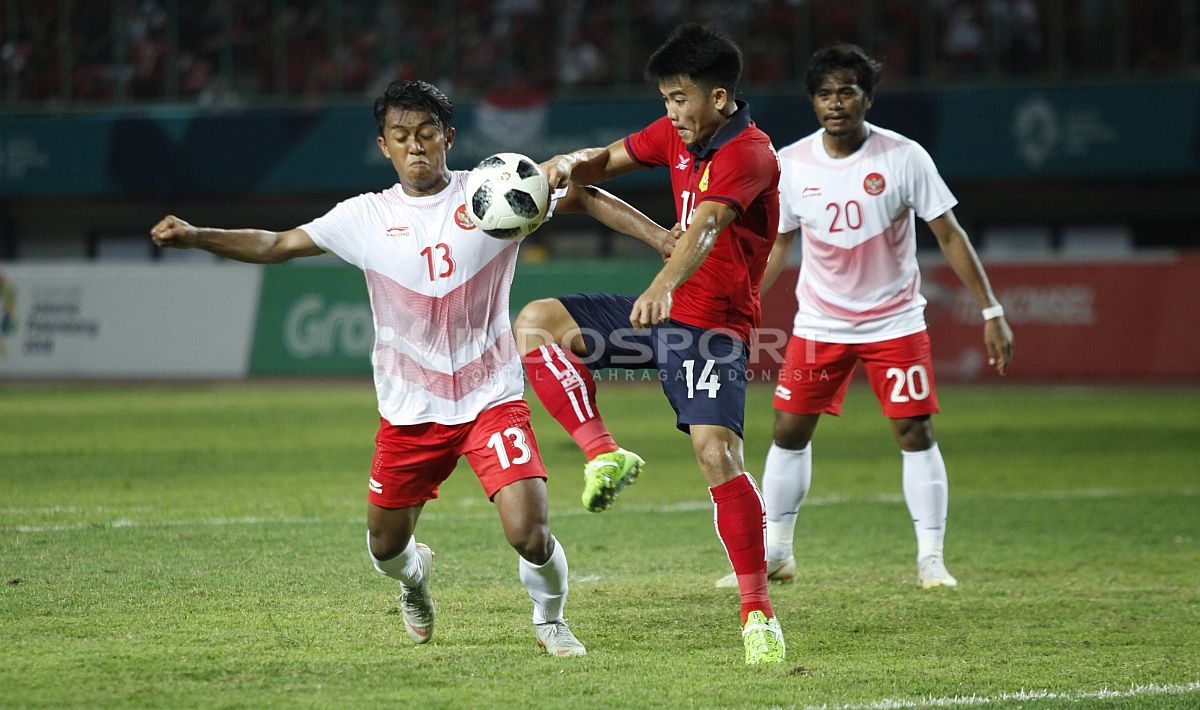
x,y
202,546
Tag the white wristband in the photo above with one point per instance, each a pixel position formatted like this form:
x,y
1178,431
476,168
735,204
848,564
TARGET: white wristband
x,y
992,312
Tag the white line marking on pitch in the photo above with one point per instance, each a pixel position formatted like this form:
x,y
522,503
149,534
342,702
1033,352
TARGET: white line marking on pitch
x,y
680,507
1026,696
126,523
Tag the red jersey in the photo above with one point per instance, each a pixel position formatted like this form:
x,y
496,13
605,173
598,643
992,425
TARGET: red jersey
x,y
738,167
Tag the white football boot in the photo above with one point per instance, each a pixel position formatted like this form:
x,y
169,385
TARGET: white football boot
x,y
415,604
931,573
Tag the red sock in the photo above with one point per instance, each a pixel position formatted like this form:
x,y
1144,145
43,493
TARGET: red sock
x,y
566,388
741,521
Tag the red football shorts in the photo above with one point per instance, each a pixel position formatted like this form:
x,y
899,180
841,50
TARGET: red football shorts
x,y
815,375
411,461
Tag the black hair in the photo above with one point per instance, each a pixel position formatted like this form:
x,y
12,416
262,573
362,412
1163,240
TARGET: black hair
x,y
415,95
846,56
700,53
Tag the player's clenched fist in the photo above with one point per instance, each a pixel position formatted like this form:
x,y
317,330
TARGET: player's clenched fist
x,y
173,232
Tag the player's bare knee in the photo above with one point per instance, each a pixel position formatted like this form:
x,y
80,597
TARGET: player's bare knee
x,y
540,323
791,431
544,322
717,461
386,544
534,543
791,438
914,434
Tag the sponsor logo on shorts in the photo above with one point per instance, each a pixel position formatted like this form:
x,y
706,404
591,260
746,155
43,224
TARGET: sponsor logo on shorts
x,y
783,393
375,486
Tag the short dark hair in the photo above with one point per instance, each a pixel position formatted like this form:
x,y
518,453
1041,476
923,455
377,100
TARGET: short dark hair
x,y
417,95
843,56
700,53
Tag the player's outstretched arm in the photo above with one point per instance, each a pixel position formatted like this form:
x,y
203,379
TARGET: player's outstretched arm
x,y
255,246
953,241
619,216
589,165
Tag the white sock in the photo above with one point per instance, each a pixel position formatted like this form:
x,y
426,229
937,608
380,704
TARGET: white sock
x,y
787,475
926,492
405,566
547,584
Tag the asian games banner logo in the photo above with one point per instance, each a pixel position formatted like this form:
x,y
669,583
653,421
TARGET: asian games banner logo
x,y
8,313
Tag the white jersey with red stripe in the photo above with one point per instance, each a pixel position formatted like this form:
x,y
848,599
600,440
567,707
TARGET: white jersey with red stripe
x,y
859,280
444,348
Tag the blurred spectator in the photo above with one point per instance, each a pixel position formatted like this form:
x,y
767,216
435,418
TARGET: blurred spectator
x,y
963,39
1019,24
228,51
770,55
147,49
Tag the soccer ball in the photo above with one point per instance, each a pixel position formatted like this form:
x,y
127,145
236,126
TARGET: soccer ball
x,y
507,196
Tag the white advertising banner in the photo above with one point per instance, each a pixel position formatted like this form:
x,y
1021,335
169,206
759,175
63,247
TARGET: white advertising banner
x,y
139,321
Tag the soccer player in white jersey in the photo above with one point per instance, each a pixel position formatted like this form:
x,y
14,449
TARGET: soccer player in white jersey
x,y
447,372
852,190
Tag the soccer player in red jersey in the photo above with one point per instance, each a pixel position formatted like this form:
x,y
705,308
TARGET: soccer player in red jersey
x,y
693,322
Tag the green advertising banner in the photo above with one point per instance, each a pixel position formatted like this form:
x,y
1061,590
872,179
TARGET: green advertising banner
x,y
316,320
312,320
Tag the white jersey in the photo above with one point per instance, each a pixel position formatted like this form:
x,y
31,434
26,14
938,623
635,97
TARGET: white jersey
x,y
859,280
444,349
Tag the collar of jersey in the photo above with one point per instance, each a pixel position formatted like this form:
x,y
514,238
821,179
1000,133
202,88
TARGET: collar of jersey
x,y
738,122
436,197
824,156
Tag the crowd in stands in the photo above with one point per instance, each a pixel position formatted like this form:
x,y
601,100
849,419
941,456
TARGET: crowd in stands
x,y
72,52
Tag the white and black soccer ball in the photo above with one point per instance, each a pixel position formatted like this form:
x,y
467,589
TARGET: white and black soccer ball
x,y
507,196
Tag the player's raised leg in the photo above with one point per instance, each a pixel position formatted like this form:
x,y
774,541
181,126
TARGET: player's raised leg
x,y
550,339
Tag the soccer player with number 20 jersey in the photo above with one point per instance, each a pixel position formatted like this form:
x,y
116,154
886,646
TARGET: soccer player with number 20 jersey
x,y
852,191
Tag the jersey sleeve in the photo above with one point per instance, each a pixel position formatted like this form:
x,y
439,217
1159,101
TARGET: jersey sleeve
x,y
929,195
340,231
738,174
651,146
789,192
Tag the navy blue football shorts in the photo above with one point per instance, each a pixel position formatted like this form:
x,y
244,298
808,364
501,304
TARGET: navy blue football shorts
x,y
703,372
